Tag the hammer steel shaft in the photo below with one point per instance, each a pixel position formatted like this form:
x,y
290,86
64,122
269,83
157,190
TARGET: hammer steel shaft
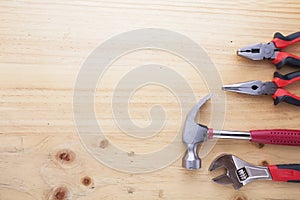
x,y
222,134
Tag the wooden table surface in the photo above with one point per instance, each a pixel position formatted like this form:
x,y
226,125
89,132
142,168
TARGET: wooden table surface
x,y
43,45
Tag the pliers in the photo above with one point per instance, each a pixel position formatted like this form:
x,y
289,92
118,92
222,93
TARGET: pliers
x,y
272,51
239,172
273,88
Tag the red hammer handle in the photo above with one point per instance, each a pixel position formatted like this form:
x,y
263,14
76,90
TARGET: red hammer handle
x,y
276,136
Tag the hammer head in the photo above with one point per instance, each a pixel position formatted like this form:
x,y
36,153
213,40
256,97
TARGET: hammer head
x,y
193,135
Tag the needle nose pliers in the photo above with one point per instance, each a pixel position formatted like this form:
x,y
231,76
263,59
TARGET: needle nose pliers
x,y
273,88
272,51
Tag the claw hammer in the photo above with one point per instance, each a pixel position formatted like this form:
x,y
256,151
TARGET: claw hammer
x,y
195,133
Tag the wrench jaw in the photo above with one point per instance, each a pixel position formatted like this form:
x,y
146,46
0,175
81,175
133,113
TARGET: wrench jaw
x,y
230,177
223,179
238,172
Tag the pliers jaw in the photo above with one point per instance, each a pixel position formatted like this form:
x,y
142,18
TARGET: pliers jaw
x,y
249,87
252,87
258,51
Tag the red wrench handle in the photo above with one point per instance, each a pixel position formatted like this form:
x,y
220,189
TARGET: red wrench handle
x,y
276,136
286,173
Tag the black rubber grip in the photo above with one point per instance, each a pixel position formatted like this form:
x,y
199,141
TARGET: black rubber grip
x,y
294,181
291,61
287,99
282,95
287,77
287,38
289,166
287,173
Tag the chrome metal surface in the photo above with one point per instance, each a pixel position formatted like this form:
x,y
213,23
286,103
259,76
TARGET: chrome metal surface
x,y
249,87
252,87
253,172
238,172
258,51
193,134
231,135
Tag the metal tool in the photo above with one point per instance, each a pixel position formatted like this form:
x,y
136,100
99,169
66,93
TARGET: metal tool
x,y
274,88
195,133
239,172
272,51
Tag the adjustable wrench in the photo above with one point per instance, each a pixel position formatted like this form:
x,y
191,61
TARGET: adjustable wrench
x,y
239,172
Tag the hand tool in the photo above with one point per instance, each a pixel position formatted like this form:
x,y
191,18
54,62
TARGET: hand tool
x,y
239,172
195,133
273,88
272,51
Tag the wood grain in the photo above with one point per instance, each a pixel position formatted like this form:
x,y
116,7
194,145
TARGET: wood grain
x,y
43,45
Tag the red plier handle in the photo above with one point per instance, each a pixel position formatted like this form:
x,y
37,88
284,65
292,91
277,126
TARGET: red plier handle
x,y
282,94
284,58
